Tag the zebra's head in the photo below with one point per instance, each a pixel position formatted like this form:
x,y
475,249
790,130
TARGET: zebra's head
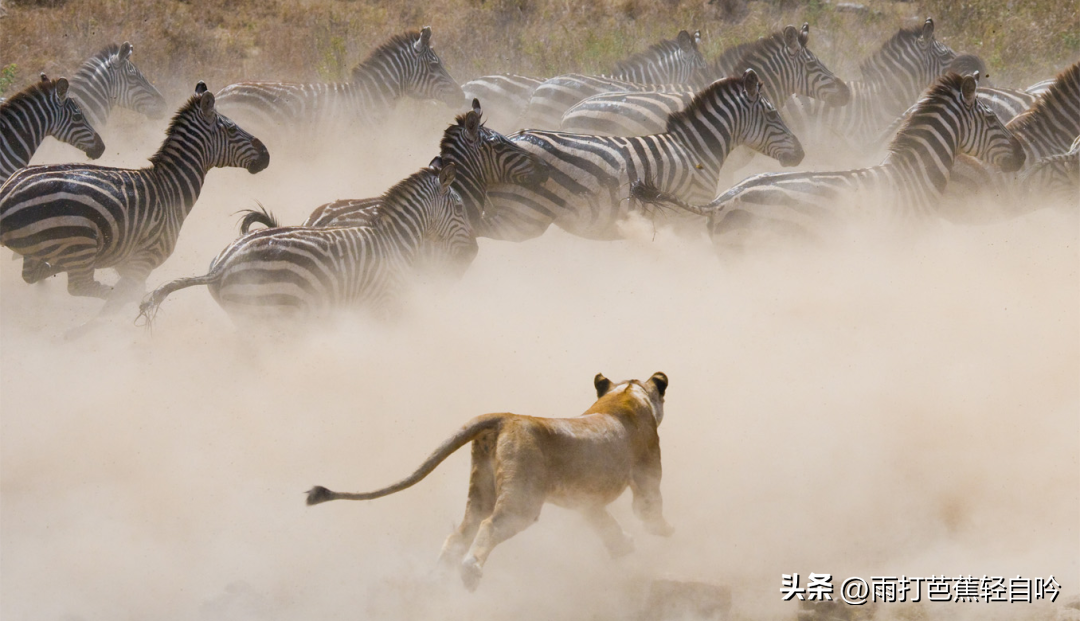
x,y
970,64
69,123
907,63
484,157
224,143
427,77
981,133
449,243
809,75
129,88
761,128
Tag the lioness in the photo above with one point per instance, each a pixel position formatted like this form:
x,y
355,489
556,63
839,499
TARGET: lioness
x,y
521,462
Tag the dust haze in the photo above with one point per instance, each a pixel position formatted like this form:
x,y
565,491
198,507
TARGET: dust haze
x,y
884,405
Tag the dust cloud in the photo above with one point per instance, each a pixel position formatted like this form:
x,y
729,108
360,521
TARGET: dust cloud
x,y
905,404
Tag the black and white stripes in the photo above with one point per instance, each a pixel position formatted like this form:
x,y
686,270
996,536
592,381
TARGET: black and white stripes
x,y
77,219
39,110
908,185
406,65
109,79
310,271
587,187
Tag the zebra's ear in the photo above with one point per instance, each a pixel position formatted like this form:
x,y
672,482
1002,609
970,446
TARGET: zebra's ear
x,y
446,176
44,78
436,164
686,42
125,50
928,29
804,34
61,88
472,125
752,85
424,42
206,105
476,107
791,38
697,38
967,88
602,385
200,87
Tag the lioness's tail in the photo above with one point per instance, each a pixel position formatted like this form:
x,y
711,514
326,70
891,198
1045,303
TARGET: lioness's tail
x,y
469,432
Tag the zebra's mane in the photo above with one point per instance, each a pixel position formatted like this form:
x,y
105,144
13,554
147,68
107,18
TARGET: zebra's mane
x,y
398,195
29,92
186,110
388,48
943,88
702,99
658,50
1061,95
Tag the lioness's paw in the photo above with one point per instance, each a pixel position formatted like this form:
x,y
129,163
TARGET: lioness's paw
x,y
622,548
661,529
471,573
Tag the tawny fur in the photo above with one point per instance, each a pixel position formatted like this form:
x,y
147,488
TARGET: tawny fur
x,y
521,462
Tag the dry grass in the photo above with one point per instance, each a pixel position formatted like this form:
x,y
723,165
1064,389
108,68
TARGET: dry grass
x,y
179,42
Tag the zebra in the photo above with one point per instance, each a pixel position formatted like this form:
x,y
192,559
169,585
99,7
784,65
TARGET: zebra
x,y
505,96
80,218
586,189
1054,176
482,157
109,79
893,78
1046,129
782,60
297,271
906,186
405,65
39,110
668,66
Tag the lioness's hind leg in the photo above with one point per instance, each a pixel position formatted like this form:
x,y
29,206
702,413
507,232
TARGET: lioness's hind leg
x,y
513,513
617,541
479,506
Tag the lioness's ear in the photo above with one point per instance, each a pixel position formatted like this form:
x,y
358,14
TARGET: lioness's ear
x,y
603,385
660,381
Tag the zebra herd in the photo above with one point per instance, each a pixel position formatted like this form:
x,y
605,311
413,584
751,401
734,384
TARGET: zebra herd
x,y
589,151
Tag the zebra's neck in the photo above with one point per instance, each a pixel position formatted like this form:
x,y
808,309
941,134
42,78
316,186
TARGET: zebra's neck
x,y
710,134
920,169
181,165
95,89
406,214
378,81
26,124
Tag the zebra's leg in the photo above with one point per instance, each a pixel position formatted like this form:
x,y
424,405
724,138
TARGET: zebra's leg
x,y
480,505
81,283
36,270
130,287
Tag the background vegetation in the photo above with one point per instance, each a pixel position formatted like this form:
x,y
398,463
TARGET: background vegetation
x,y
180,41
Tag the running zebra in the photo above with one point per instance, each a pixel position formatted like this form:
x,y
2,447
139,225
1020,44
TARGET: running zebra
x,y
906,186
297,271
894,77
782,60
39,110
109,79
406,65
589,176
482,158
77,219
505,96
669,66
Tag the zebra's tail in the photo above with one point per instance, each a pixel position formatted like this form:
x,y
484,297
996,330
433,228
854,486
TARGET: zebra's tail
x,y
257,216
645,191
467,434
149,308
